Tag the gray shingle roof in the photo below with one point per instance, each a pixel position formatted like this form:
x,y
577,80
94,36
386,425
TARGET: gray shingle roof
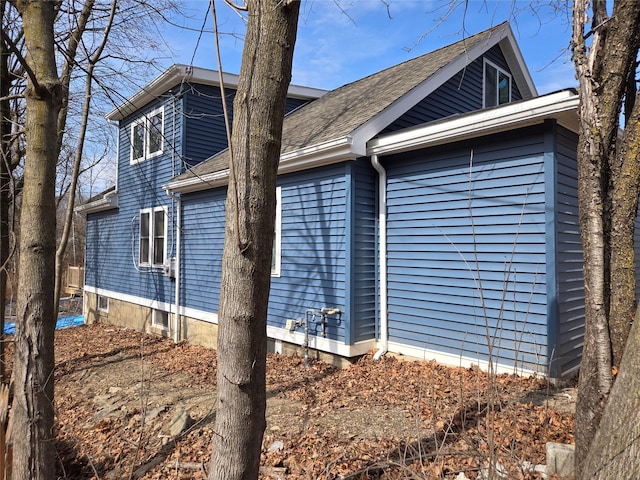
x,y
342,111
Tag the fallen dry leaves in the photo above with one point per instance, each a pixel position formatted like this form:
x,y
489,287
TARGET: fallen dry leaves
x,y
116,391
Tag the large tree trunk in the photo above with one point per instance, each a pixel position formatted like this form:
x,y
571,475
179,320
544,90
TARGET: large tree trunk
x,y
5,197
246,265
32,410
615,450
608,195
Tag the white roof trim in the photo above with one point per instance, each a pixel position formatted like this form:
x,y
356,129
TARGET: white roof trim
x,y
178,73
506,117
199,182
318,155
108,201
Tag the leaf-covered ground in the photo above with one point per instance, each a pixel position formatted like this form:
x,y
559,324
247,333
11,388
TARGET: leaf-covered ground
x,y
119,393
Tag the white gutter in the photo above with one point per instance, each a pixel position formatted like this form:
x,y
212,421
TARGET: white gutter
x,y
177,333
178,73
333,151
561,105
382,255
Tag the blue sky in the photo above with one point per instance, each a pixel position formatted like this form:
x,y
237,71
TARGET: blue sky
x,y
340,41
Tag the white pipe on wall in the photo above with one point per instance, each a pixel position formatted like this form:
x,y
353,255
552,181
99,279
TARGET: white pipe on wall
x,y
382,255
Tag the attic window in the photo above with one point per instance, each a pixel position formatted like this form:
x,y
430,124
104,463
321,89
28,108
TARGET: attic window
x,y
497,85
147,135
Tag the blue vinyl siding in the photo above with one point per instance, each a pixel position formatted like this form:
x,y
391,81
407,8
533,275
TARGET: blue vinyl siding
x,y
313,249
113,236
203,224
364,247
460,94
570,327
467,249
313,271
205,131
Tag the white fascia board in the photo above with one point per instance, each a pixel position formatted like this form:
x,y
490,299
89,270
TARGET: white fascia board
x,y
171,77
333,151
108,202
367,131
199,182
318,155
178,73
515,53
484,122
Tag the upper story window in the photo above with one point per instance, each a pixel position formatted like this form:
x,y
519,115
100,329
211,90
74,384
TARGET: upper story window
x,y
153,236
497,85
277,236
147,136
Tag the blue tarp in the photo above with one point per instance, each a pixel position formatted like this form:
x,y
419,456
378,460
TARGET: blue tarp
x,y
63,322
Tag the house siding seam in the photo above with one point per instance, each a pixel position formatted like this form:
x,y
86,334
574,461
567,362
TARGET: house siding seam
x,y
437,300
460,94
570,277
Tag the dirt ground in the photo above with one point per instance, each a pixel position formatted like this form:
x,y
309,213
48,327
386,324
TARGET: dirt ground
x,y
136,406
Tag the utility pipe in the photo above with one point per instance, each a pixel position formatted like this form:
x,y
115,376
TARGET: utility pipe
x,y
382,255
176,316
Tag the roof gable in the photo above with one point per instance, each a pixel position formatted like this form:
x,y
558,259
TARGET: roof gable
x,y
338,125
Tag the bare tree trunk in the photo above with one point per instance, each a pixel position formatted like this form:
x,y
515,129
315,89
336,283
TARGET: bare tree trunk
x,y
5,197
32,411
242,339
608,194
77,159
615,450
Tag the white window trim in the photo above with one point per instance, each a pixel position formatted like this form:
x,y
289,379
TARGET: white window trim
x,y
277,238
145,120
484,80
158,325
151,211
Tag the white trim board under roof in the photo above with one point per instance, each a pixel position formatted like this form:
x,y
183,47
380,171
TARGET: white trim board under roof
x,y
562,106
178,73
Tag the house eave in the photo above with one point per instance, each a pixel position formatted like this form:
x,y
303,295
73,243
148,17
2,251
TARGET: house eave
x,y
178,73
561,105
108,202
334,151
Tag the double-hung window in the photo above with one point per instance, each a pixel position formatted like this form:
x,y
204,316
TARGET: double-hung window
x,y
497,85
153,236
147,136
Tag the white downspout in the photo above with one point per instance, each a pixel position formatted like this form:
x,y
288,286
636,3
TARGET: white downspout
x,y
176,316
382,256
